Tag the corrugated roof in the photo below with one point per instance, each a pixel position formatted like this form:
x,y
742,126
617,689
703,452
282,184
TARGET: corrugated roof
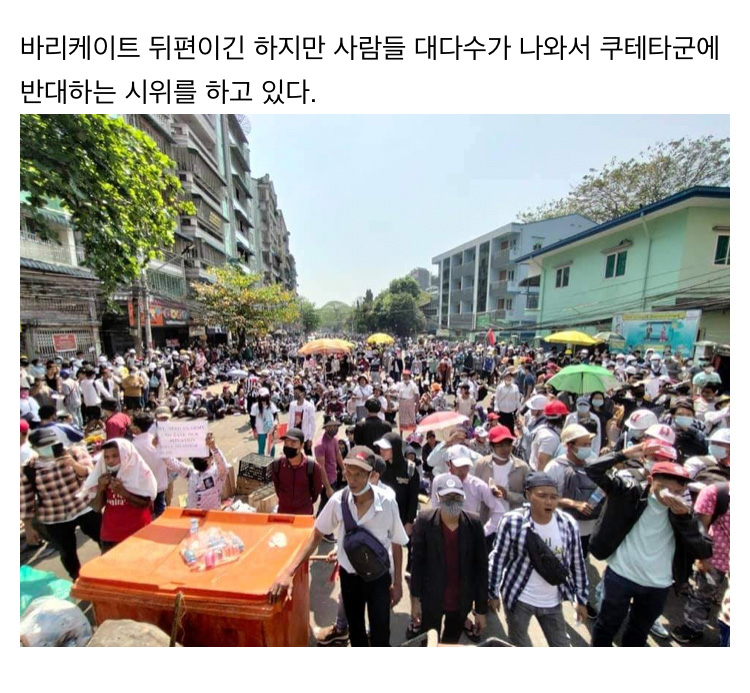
x,y
38,266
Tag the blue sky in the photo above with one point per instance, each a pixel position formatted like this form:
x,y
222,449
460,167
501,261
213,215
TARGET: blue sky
x,y
367,198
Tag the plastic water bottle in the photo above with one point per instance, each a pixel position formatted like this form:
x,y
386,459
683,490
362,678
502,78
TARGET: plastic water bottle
x,y
595,498
194,525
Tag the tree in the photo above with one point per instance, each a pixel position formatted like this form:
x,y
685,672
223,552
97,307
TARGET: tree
x,y
118,187
621,187
309,316
405,285
241,304
335,316
397,313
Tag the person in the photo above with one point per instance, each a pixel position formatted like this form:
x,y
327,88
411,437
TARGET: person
x,y
371,428
401,476
515,579
455,446
408,400
507,400
526,381
649,539
328,456
205,477
26,450
116,423
215,407
583,416
132,387
29,405
378,514
302,416
123,488
448,565
546,437
66,434
712,508
503,472
707,374
603,408
636,425
50,489
264,419
465,404
360,394
528,422
71,392
107,388
297,479
147,445
429,445
690,440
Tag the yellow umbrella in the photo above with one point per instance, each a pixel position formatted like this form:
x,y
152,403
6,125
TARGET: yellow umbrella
x,y
380,338
572,337
325,346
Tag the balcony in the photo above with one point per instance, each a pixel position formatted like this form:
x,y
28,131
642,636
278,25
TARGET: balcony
x,y
498,314
204,126
34,248
186,139
462,321
240,208
500,258
243,179
465,270
503,286
170,263
166,284
465,294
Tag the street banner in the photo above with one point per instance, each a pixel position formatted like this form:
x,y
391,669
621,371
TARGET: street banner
x,y
64,342
677,330
182,438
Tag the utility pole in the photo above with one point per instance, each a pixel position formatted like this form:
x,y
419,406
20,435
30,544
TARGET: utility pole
x,y
136,300
147,310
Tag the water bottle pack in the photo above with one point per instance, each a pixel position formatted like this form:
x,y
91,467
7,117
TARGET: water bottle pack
x,y
205,549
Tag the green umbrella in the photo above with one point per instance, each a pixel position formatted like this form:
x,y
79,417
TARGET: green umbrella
x,y
583,379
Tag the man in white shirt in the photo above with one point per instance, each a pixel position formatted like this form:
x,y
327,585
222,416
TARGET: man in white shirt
x,y
507,400
302,416
92,402
379,515
451,449
546,438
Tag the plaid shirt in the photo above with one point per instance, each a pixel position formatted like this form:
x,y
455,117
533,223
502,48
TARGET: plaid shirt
x,y
56,498
510,567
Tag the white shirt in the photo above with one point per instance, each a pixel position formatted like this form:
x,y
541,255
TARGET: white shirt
x,y
89,392
538,592
26,452
361,394
30,406
307,409
408,390
556,469
500,474
204,488
478,493
382,520
507,398
264,424
545,441
438,458
144,443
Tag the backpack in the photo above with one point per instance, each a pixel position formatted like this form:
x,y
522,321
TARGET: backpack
x,y
276,467
578,486
154,382
368,556
722,501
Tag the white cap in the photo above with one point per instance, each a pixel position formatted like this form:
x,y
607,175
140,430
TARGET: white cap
x,y
693,465
720,435
480,433
661,432
263,392
641,420
537,402
461,461
631,370
629,358
575,431
383,444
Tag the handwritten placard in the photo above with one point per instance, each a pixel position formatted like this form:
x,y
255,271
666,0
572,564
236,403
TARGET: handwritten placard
x,y
182,438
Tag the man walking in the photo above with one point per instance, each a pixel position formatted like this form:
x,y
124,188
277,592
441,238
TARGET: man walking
x,y
297,479
302,417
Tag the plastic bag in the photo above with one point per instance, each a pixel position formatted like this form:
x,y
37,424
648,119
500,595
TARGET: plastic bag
x,y
40,583
206,549
53,622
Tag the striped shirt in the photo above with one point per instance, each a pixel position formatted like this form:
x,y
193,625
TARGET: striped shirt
x,y
510,567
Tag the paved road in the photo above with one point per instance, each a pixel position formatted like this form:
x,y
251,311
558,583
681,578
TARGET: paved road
x,y
234,437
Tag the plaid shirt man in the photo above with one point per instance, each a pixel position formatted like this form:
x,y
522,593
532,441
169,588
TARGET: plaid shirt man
x,y
57,486
510,567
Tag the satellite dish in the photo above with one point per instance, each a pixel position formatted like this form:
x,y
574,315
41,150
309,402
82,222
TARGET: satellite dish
x,y
244,122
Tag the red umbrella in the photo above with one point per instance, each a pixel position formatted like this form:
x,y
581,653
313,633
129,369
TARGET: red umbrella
x,y
441,420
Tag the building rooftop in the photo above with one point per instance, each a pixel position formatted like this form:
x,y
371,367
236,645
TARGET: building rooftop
x,y
38,266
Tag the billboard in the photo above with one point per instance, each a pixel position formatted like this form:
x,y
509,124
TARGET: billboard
x,y
162,314
676,329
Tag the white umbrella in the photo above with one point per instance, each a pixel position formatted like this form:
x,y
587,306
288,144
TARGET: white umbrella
x,y
237,373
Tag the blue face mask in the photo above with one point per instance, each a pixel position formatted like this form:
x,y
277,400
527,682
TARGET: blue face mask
x,y
683,421
583,453
717,451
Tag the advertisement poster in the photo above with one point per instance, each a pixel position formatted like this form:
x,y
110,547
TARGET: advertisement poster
x,y
676,330
162,314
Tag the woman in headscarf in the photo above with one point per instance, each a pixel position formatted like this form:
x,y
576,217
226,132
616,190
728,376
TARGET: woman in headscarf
x,y
123,487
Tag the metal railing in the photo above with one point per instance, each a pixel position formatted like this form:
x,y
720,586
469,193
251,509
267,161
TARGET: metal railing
x,y
466,294
503,286
462,320
35,248
166,284
502,257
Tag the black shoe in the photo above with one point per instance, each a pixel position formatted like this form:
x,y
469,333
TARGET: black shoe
x,y
592,612
685,635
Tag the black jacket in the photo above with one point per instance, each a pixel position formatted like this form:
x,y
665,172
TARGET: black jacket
x,y
396,475
428,563
370,429
626,501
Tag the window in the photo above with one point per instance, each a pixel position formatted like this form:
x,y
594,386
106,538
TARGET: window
x,y
508,304
532,301
563,277
721,256
502,275
537,246
615,266
511,275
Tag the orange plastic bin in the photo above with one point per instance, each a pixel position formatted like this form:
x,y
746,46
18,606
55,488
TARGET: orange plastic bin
x,y
139,579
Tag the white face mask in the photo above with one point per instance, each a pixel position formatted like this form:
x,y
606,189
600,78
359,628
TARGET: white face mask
x,y
597,402
719,452
363,491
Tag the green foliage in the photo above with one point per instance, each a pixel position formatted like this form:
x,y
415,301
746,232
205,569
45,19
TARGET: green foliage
x,y
309,316
335,316
114,181
395,310
404,285
240,303
621,187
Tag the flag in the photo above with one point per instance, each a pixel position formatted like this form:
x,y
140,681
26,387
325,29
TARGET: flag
x,y
491,337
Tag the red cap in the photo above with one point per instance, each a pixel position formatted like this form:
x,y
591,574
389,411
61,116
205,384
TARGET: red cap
x,y
656,448
24,426
670,469
492,416
555,408
500,433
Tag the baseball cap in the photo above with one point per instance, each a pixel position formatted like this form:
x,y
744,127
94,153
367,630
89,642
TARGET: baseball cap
x,y
661,432
720,435
449,484
383,444
641,419
294,434
24,426
42,437
575,431
670,469
655,448
460,461
361,456
538,479
492,416
500,433
537,402
264,392
555,408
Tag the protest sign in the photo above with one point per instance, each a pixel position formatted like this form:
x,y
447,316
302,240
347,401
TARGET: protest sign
x,y
182,438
